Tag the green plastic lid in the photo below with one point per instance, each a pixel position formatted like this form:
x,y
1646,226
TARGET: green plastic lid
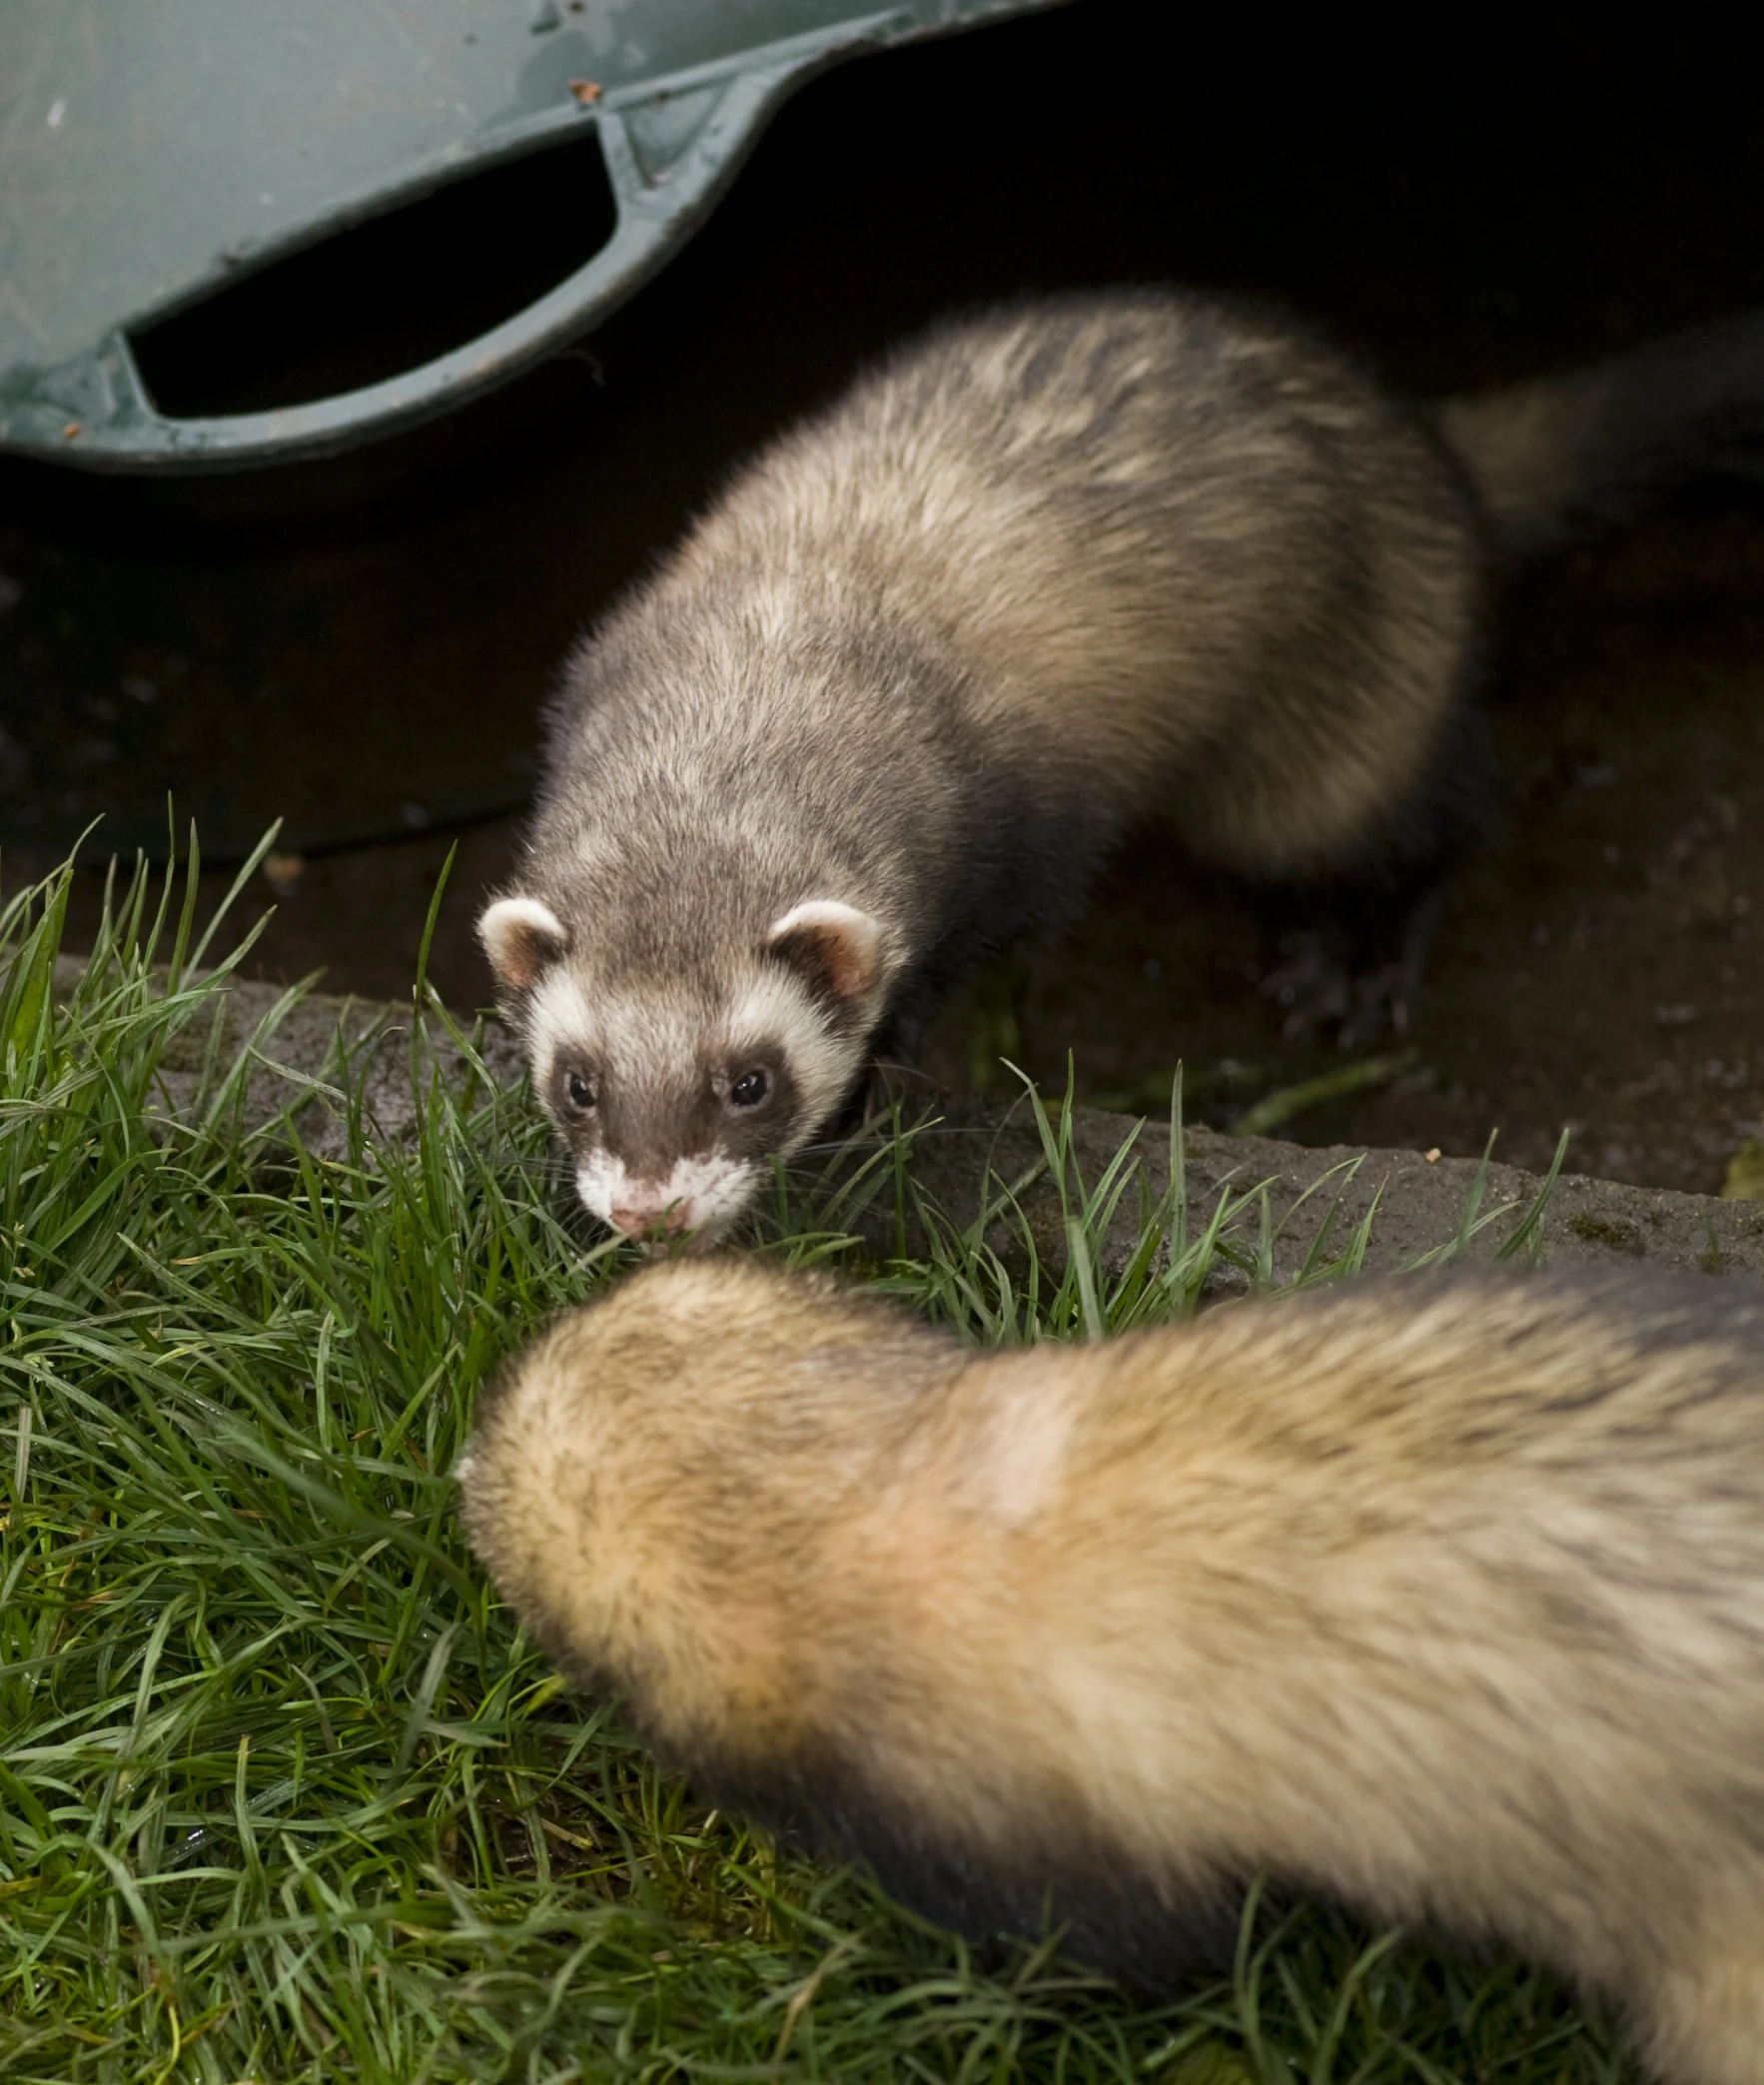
x,y
154,150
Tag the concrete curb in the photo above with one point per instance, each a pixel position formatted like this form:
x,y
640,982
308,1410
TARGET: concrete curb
x,y
1419,1205
971,1145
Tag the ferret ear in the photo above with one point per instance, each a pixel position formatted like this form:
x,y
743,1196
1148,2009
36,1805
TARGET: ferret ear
x,y
522,939
837,949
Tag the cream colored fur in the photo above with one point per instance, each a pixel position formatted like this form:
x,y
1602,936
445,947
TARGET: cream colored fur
x,y
1445,1598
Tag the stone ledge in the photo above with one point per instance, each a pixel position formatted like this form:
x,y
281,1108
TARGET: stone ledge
x,y
1420,1204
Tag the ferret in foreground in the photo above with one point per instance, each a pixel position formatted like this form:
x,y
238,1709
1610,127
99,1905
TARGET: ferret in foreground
x,y
1043,578
1445,1598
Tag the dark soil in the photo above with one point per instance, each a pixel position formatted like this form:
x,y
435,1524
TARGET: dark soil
x,y
1597,967
361,646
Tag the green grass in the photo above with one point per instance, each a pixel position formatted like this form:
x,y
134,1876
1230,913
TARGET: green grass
x,y
285,1796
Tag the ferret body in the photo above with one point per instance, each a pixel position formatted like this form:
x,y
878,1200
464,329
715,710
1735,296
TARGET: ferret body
x,y
1444,1597
1047,576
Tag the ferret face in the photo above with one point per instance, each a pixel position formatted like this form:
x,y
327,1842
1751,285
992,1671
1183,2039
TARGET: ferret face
x,y
674,1093
671,1107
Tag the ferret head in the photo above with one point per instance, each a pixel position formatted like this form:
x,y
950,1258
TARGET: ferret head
x,y
674,1084
649,1482
617,1549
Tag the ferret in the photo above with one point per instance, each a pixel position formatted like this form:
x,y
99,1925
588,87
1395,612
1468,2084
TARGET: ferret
x,y
1444,1597
1045,577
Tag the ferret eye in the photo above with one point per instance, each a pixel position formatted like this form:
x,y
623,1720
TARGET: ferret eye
x,y
579,1090
748,1089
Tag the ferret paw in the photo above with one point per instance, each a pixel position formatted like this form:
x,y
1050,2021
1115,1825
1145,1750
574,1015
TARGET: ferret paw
x,y
1320,990
1312,986
1322,987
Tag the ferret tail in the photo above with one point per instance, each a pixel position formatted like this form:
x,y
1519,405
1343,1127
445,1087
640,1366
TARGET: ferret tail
x,y
1549,455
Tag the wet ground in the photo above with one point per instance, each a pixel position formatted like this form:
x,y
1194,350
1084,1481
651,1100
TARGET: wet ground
x,y
361,647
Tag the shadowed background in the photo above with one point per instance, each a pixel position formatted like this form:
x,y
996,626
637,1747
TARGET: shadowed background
x,y
361,647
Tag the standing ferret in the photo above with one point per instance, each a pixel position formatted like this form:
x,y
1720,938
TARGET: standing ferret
x,y
1043,578
1445,1598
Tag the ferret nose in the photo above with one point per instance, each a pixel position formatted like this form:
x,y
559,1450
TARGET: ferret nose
x,y
648,1215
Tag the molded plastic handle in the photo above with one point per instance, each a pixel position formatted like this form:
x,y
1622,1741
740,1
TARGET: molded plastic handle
x,y
96,410
672,145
